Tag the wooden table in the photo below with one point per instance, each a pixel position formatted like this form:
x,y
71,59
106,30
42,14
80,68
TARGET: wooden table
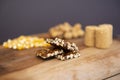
x,y
93,64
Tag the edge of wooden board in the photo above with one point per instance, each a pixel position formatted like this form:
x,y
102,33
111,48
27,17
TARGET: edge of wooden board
x,y
75,69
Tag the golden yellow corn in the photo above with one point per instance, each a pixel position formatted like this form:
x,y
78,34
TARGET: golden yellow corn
x,y
25,42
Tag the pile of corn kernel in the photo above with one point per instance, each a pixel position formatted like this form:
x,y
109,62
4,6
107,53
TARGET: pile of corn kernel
x,y
25,42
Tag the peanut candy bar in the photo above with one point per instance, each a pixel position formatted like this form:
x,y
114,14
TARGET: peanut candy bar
x,y
68,55
48,52
62,44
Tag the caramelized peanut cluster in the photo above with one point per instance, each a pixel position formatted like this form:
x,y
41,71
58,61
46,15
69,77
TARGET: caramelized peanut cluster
x,y
66,31
60,49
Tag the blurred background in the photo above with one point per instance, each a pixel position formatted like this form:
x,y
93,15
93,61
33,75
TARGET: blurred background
x,y
24,17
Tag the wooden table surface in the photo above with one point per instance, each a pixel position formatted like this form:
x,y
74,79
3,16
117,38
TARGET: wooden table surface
x,y
93,64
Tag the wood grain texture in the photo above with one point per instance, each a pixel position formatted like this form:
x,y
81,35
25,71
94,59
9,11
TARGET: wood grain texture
x,y
117,77
93,64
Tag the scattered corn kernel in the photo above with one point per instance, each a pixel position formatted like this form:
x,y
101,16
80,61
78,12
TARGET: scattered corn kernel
x,y
25,42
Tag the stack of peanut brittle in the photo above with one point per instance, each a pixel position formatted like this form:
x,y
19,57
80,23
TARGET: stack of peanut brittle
x,y
60,49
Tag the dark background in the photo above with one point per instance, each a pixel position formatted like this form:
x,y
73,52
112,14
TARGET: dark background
x,y
23,17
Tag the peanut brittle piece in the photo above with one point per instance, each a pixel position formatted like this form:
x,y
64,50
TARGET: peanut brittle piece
x,y
46,52
68,55
62,44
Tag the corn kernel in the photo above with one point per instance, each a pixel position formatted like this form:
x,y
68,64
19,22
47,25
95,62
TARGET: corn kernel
x,y
25,42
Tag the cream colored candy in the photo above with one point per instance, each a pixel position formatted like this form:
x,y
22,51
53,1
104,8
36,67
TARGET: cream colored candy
x,y
68,35
80,33
67,27
110,26
77,31
89,39
66,31
74,34
103,35
101,38
77,27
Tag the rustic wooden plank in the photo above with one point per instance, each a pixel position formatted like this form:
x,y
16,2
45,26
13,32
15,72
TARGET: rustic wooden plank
x,y
94,64
13,60
116,77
